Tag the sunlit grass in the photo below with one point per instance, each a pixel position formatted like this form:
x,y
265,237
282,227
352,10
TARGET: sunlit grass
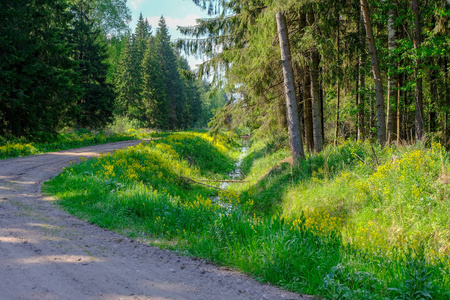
x,y
142,191
391,207
25,147
353,222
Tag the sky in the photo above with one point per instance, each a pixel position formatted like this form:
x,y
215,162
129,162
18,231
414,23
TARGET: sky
x,y
175,12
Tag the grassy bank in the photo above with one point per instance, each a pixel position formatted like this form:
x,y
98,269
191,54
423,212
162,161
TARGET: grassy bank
x,y
390,206
23,147
343,224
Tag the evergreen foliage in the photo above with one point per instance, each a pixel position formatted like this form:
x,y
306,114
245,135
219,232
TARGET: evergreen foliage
x,y
38,82
332,66
96,105
155,85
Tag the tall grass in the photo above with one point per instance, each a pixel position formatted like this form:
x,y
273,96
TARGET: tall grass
x,y
353,222
141,191
391,207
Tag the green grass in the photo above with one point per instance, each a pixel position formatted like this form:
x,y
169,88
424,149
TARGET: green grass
x,y
390,206
349,223
23,147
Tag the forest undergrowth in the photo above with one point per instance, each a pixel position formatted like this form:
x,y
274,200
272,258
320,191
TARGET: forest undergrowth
x,y
353,222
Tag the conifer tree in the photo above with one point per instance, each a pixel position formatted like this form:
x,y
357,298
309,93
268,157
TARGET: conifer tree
x,y
37,81
96,105
192,107
173,87
128,79
153,90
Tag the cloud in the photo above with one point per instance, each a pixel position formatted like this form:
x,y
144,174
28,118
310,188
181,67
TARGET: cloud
x,y
134,4
174,22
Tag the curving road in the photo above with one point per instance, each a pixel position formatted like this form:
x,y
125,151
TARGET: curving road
x,y
46,253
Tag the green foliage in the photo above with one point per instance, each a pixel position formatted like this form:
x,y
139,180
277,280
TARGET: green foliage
x,y
154,83
24,147
142,191
95,107
38,83
328,238
390,206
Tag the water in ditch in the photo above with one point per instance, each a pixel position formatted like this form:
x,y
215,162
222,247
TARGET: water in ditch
x,y
233,175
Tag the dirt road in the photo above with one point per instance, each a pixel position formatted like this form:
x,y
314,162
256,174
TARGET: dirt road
x,y
46,253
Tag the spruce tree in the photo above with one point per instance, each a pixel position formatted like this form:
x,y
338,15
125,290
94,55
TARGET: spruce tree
x,y
192,108
154,100
128,79
95,107
173,87
37,81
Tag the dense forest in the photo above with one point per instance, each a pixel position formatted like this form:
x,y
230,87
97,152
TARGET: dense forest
x,y
316,72
75,64
349,69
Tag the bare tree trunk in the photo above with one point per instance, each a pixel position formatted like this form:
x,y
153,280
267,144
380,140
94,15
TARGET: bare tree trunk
x,y
306,93
419,127
405,111
336,133
299,96
315,91
322,96
361,82
447,102
435,99
393,79
308,110
295,138
399,111
376,73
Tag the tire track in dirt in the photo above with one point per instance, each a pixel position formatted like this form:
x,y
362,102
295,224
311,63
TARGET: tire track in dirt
x,y
46,253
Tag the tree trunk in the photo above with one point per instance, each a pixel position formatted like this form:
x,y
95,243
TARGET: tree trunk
x,y
336,133
361,82
306,93
393,79
315,92
376,73
299,97
435,99
371,113
295,138
308,109
447,102
419,127
399,111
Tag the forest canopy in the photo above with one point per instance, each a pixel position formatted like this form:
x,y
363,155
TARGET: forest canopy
x,y
361,69
75,63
